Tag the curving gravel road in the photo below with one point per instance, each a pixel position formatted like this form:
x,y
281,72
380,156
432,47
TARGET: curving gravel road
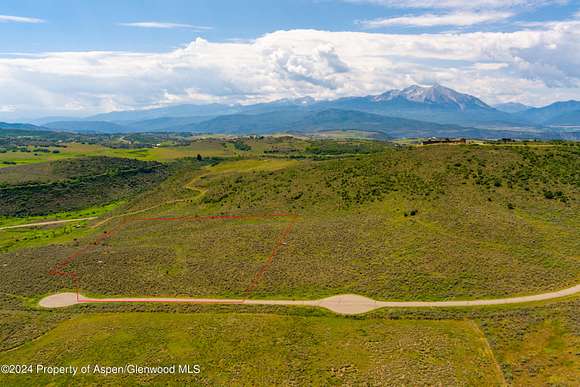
x,y
342,304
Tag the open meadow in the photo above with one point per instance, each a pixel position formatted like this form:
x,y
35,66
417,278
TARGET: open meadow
x,y
446,222
310,350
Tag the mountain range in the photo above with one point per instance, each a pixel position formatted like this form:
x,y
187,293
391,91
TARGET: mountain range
x,y
512,107
415,111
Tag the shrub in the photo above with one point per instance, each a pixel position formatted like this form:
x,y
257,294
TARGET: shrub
x,y
549,194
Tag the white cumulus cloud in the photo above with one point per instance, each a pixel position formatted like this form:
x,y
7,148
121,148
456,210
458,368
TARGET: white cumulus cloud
x,y
533,66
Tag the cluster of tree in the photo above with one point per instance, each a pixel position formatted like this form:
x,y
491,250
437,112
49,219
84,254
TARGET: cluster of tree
x,y
242,146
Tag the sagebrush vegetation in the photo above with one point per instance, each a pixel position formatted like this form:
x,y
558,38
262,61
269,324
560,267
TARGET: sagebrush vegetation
x,y
390,222
70,185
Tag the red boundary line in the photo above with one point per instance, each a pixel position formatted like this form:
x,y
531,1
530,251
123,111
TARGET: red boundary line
x,y
281,241
59,268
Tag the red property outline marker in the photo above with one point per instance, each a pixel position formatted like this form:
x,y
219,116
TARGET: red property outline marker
x,y
60,268
281,240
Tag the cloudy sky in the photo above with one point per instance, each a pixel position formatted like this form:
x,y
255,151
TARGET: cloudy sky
x,y
65,57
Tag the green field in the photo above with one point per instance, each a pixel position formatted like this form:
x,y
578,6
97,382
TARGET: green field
x,y
388,222
532,345
411,224
84,213
165,151
537,347
144,259
313,350
72,150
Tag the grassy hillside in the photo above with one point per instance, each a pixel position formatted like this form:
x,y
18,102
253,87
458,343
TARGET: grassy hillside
x,y
75,184
418,223
397,223
68,169
315,350
537,346
14,238
532,345
426,173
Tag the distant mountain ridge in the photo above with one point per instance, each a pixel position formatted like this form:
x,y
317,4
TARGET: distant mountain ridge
x,y
552,113
301,121
186,110
512,107
87,126
21,126
434,104
571,118
434,108
436,95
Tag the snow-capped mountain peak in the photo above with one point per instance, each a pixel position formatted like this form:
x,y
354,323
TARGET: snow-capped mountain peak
x,y
435,95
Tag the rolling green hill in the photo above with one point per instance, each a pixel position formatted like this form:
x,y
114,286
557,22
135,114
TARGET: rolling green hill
x,y
398,223
434,222
68,185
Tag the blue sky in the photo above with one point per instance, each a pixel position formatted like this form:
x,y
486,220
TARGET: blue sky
x,y
262,50
96,25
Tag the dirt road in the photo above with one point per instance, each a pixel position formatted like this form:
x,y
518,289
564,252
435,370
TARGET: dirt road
x,y
49,223
342,304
